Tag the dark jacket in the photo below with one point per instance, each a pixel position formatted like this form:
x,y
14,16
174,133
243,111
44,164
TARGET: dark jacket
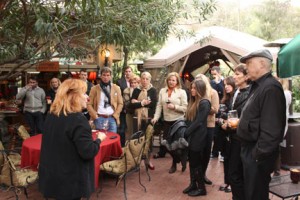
x,y
197,129
89,87
151,107
219,87
176,136
66,169
239,103
122,83
263,117
50,93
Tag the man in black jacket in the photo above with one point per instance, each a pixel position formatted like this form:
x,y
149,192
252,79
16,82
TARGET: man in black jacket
x,y
261,125
123,83
83,75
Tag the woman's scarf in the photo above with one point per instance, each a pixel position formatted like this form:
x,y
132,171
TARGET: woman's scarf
x,y
142,113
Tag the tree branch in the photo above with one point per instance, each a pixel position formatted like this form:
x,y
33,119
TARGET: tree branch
x,y
25,26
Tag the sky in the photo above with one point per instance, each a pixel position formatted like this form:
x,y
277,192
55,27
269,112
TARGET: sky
x,y
244,3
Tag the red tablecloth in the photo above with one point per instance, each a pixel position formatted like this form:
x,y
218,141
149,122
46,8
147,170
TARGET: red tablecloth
x,y
32,146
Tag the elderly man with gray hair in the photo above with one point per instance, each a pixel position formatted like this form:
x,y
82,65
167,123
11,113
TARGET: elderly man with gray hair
x,y
261,125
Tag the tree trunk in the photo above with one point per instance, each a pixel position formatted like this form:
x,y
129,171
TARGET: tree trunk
x,y
126,52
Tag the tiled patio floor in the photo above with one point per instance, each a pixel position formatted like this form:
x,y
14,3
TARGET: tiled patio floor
x,y
163,186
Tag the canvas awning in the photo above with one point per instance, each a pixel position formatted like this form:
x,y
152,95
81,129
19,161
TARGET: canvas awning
x,y
213,42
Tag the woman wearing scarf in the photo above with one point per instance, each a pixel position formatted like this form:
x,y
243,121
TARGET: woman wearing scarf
x,y
134,81
143,102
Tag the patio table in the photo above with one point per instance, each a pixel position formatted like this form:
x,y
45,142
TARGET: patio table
x,y
30,156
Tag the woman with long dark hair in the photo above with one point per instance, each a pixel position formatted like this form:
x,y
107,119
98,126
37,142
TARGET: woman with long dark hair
x,y
196,117
229,88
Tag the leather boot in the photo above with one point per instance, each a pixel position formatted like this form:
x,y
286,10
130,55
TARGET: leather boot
x,y
183,160
207,181
193,184
201,190
173,168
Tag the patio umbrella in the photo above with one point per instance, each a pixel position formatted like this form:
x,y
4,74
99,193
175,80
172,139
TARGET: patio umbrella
x,y
288,64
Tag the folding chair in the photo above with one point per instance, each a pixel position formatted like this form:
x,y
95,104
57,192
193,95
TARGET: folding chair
x,y
128,162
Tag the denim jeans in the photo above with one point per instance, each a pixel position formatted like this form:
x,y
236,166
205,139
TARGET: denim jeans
x,y
112,125
35,121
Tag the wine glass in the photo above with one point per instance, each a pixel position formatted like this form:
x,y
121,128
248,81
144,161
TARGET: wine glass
x,y
105,125
233,118
168,101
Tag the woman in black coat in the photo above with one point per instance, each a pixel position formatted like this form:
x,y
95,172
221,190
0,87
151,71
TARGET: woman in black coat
x,y
143,102
196,116
66,169
235,166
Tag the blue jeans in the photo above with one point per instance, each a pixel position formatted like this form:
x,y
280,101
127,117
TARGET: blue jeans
x,y
112,125
35,121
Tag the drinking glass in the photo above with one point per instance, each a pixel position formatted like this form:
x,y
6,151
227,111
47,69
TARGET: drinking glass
x,y
233,118
168,101
105,125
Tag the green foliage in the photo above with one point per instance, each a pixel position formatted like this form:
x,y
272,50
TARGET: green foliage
x,y
34,31
296,94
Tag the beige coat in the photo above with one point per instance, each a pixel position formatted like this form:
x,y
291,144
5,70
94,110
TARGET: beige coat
x,y
116,101
214,100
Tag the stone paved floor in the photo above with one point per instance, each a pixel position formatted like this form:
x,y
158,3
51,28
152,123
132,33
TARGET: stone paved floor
x,y
163,186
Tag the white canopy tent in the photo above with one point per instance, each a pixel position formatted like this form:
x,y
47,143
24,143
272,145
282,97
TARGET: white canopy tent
x,y
207,45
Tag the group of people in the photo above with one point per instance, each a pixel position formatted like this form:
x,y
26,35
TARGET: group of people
x,y
250,149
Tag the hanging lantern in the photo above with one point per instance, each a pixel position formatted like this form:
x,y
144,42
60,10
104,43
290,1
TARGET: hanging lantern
x,y
186,75
92,76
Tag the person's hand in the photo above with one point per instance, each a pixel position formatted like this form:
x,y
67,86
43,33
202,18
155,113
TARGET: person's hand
x,y
153,121
224,125
134,101
28,86
145,102
101,136
171,106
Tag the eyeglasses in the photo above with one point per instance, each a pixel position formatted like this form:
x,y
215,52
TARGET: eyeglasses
x,y
32,82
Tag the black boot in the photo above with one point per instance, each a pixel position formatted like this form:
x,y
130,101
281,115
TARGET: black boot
x,y
207,181
201,190
173,167
183,160
193,184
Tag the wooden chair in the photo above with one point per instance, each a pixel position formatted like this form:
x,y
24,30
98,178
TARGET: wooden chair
x,y
128,162
17,130
22,132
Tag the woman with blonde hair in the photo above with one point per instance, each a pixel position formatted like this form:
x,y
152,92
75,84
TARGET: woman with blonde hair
x,y
196,117
50,94
143,102
134,81
66,169
213,97
172,101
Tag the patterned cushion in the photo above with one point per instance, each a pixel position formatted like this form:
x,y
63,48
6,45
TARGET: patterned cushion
x,y
149,135
130,158
21,177
22,132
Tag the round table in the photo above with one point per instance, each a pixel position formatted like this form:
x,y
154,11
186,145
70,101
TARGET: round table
x,y
110,147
